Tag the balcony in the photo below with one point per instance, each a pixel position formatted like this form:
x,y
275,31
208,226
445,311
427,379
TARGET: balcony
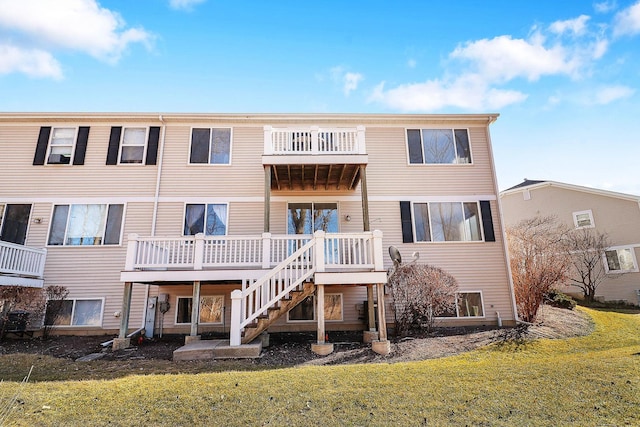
x,y
21,265
312,157
200,257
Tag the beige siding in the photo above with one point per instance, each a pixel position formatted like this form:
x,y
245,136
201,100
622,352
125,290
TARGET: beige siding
x,y
94,271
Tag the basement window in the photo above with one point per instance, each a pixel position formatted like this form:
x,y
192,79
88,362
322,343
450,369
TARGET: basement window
x,y
211,310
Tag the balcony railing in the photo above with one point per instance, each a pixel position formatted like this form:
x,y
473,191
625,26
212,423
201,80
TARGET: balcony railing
x,y
19,260
314,140
200,252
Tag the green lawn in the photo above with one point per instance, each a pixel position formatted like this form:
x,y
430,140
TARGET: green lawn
x,y
586,381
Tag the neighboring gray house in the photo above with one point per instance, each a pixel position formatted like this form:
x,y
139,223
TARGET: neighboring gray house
x,y
616,214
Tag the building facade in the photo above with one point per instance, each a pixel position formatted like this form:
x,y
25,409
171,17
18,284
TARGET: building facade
x,y
615,214
138,215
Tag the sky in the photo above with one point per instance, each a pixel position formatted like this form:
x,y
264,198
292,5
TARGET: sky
x,y
563,75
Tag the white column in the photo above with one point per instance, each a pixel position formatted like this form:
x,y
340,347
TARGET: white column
x,y
266,250
198,252
132,249
378,253
268,145
319,250
236,318
314,140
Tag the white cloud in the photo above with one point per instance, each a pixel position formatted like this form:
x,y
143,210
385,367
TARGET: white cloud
x,y
627,21
605,6
348,80
467,92
185,4
351,81
34,63
504,58
78,25
609,94
577,26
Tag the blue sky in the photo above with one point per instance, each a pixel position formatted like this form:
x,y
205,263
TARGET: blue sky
x,y
564,76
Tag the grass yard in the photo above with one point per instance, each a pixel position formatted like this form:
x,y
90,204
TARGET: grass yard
x,y
586,381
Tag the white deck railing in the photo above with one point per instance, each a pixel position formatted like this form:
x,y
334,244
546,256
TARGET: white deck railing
x,y
340,251
22,260
314,140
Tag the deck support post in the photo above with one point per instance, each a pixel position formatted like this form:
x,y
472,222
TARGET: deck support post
x,y
371,333
321,347
267,198
365,199
122,341
382,345
195,309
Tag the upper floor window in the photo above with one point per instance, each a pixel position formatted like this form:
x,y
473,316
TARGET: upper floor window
x,y
61,145
209,219
210,145
438,146
446,222
133,145
583,219
81,225
14,221
621,260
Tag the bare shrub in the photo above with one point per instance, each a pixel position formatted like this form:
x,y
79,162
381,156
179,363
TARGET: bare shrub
x,y
420,294
56,296
538,260
587,249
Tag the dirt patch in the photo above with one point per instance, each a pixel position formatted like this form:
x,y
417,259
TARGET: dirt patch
x,y
289,349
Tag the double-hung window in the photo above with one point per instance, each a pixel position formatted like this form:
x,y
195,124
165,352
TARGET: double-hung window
x,y
210,219
14,221
61,145
133,146
621,260
74,312
438,146
447,222
210,145
583,219
81,225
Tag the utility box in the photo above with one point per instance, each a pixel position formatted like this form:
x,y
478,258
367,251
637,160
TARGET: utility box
x,y
150,322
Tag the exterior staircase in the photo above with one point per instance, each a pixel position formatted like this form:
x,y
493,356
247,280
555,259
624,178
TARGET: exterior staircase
x,y
253,330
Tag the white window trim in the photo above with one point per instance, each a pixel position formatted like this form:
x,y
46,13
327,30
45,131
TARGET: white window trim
x,y
209,153
445,242
315,305
587,212
102,245
145,145
423,164
633,257
175,315
73,311
484,312
73,146
184,217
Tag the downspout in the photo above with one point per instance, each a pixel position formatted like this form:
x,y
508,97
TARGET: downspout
x,y
514,306
155,210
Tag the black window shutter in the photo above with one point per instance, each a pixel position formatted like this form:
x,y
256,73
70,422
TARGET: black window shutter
x,y
41,147
405,218
114,145
152,145
487,221
81,145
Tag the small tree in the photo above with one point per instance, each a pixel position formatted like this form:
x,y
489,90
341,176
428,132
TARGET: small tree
x,y
587,249
420,294
538,261
56,296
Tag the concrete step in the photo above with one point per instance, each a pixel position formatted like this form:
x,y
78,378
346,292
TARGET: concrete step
x,y
217,349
